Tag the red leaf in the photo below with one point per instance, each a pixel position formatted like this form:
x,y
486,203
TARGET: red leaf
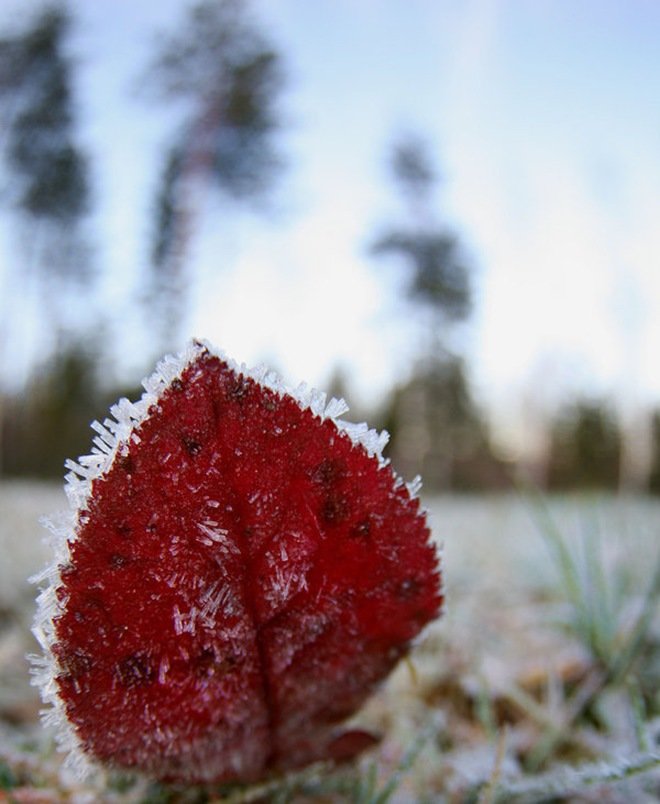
x,y
243,570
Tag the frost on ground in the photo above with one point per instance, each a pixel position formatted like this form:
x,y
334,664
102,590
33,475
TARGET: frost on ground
x,y
504,690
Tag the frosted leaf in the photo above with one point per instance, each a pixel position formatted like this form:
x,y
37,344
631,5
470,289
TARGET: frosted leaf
x,y
240,534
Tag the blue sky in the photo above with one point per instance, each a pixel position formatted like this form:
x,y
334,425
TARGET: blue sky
x,y
544,118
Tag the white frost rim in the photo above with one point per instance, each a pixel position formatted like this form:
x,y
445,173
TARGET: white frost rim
x,y
112,437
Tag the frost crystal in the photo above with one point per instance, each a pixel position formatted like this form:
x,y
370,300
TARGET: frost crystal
x,y
240,570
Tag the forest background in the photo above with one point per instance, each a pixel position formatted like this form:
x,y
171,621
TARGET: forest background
x,y
81,323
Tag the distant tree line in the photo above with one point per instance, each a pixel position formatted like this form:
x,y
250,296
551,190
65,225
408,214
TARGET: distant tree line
x,y
437,431
585,447
50,420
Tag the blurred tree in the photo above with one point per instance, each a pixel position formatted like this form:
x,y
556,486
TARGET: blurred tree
x,y
43,425
437,278
228,78
585,447
437,431
49,422
47,182
432,418
46,187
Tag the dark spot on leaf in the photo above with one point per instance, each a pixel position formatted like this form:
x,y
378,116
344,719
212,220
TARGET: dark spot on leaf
x,y
117,560
238,388
334,509
93,604
207,664
135,670
362,529
192,446
329,472
409,588
248,531
76,663
125,463
268,403
176,384
203,663
123,528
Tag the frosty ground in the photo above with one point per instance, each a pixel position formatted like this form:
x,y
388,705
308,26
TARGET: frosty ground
x,y
511,684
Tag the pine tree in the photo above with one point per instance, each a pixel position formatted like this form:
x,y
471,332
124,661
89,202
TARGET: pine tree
x,y
228,77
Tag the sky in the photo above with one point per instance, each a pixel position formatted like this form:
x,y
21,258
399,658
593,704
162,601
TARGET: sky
x,y
543,118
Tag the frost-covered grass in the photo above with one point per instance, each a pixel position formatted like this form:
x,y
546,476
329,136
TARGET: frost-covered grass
x,y
540,683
